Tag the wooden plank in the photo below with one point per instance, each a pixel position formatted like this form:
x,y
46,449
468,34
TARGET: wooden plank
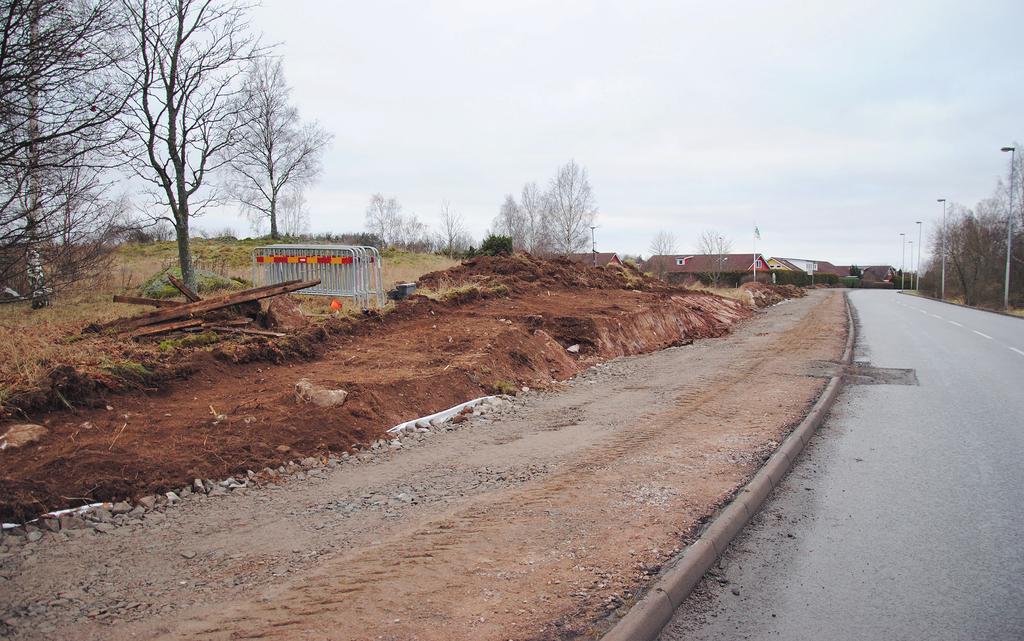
x,y
185,290
240,330
167,327
139,300
228,322
210,304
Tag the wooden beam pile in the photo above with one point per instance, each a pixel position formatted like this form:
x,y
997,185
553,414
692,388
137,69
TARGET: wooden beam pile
x,y
177,316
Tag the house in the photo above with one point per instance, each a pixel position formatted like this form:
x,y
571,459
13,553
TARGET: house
x,y
781,264
601,259
815,266
878,274
682,268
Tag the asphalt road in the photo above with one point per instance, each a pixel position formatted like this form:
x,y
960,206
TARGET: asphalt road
x,y
904,518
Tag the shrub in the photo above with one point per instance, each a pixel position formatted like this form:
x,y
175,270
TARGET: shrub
x,y
495,245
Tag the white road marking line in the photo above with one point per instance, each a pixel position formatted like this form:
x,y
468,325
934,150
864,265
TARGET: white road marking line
x,y
982,335
936,316
1017,350
954,323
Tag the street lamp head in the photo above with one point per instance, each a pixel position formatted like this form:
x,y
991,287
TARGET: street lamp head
x,y
1008,149
940,200
917,222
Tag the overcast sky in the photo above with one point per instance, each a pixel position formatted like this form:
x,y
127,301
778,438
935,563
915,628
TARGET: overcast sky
x,y
833,126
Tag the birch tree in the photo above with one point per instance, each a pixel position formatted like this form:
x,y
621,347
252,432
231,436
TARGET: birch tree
x,y
572,209
59,115
186,78
273,152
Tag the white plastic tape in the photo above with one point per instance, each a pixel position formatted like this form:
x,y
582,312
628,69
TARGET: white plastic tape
x,y
443,415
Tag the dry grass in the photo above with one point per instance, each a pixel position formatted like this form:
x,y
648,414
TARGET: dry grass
x,y
33,343
734,293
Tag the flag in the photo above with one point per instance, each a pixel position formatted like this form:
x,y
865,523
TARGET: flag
x,y
757,233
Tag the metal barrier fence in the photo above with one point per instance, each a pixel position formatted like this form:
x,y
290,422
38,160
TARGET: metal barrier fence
x,y
351,271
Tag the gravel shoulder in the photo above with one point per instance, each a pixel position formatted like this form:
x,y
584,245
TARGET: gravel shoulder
x,y
543,519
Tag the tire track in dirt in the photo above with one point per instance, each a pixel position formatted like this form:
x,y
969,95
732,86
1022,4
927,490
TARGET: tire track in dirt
x,y
569,510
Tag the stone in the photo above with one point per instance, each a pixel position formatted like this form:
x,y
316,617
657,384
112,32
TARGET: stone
x,y
137,512
308,392
284,449
147,502
71,522
21,434
310,461
121,507
33,536
49,523
189,554
172,498
218,491
100,514
573,349
284,314
197,486
105,528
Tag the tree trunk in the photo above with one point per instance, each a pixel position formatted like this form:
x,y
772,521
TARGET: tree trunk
x,y
188,274
273,219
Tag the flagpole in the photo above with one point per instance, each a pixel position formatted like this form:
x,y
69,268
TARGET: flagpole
x,y
755,252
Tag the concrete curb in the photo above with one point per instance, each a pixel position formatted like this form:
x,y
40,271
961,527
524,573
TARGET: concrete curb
x,y
949,302
651,614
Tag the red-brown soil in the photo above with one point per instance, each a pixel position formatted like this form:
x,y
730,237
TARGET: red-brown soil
x,y
502,323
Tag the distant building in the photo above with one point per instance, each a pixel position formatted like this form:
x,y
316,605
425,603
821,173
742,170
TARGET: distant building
x,y
878,274
686,268
601,259
815,266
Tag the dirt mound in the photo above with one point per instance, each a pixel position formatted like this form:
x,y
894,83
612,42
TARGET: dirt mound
x,y
766,295
232,405
521,272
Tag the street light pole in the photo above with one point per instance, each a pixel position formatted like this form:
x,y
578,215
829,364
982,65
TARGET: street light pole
x,y
917,272
1009,232
912,275
903,259
942,287
593,243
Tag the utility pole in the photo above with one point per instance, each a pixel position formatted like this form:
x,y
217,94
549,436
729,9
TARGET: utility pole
x,y
917,272
1009,232
942,287
903,259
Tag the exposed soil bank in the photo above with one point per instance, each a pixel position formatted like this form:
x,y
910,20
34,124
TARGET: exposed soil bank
x,y
535,522
500,324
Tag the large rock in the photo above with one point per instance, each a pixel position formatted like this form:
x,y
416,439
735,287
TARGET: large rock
x,y
307,392
284,314
21,434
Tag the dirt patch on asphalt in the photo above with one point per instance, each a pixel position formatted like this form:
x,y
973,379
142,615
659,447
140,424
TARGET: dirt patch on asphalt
x,y
495,325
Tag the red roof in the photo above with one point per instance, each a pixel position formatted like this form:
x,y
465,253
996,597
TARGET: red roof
x,y
603,258
701,263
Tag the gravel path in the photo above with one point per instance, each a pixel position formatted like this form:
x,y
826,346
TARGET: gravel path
x,y
540,519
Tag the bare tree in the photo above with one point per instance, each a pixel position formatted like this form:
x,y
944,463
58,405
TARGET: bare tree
x,y
716,246
663,244
186,80
533,206
384,218
572,208
413,235
58,120
511,222
292,213
273,151
452,238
